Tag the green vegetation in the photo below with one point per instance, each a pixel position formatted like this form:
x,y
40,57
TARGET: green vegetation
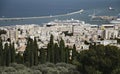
x,y
56,59
31,53
54,53
67,33
57,52
2,32
48,68
118,40
87,43
99,60
7,54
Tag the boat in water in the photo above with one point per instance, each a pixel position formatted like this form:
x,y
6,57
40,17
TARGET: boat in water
x,y
116,21
110,8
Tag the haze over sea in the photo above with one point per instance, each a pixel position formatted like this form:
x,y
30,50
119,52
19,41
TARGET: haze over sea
x,y
35,8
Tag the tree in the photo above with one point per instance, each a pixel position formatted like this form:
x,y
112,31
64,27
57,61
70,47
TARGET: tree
x,y
27,53
35,52
12,52
85,42
116,71
31,52
74,52
7,55
42,56
50,50
67,54
2,32
118,40
1,53
103,59
62,50
19,58
92,70
56,54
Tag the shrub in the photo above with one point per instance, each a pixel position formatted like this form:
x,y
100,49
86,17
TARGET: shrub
x,y
116,71
18,66
36,72
9,69
50,65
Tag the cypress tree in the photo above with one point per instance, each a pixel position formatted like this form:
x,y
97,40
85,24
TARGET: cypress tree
x,y
31,50
52,54
74,52
27,54
42,56
19,58
56,53
67,54
6,55
50,51
35,52
1,53
62,50
12,53
31,53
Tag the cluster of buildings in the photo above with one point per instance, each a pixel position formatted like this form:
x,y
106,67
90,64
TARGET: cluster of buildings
x,y
71,31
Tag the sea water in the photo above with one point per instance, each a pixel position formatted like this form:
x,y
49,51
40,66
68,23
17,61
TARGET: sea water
x,y
37,8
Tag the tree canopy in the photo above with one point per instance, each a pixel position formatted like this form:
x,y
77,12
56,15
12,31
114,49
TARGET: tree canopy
x,y
100,59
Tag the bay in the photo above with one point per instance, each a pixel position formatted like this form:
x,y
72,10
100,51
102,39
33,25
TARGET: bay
x,y
35,8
